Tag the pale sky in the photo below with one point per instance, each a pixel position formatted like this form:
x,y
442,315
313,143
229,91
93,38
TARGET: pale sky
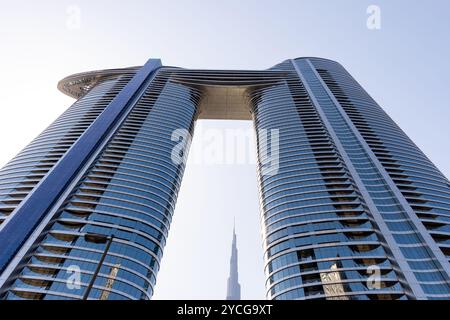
x,y
404,66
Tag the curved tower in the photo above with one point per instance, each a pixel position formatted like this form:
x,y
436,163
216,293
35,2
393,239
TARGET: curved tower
x,y
350,207
338,215
125,186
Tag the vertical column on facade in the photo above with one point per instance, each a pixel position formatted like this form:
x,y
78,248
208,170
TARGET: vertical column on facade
x,y
422,189
393,214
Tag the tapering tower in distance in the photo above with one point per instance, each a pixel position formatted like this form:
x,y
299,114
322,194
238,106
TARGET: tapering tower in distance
x,y
233,286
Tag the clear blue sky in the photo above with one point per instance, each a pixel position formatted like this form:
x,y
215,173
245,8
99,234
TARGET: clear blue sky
x,y
404,66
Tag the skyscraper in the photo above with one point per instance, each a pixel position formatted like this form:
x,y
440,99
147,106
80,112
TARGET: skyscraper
x,y
350,207
233,286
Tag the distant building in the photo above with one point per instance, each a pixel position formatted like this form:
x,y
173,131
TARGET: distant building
x,y
233,286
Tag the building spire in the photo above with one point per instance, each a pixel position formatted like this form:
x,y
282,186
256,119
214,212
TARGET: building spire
x,y
233,286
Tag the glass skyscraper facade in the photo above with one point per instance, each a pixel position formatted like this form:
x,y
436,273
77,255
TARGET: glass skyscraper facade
x,y
352,210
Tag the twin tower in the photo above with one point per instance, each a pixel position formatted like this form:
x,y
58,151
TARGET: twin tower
x,y
350,207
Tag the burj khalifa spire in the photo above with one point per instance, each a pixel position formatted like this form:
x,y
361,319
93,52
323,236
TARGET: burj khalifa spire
x,y
233,286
